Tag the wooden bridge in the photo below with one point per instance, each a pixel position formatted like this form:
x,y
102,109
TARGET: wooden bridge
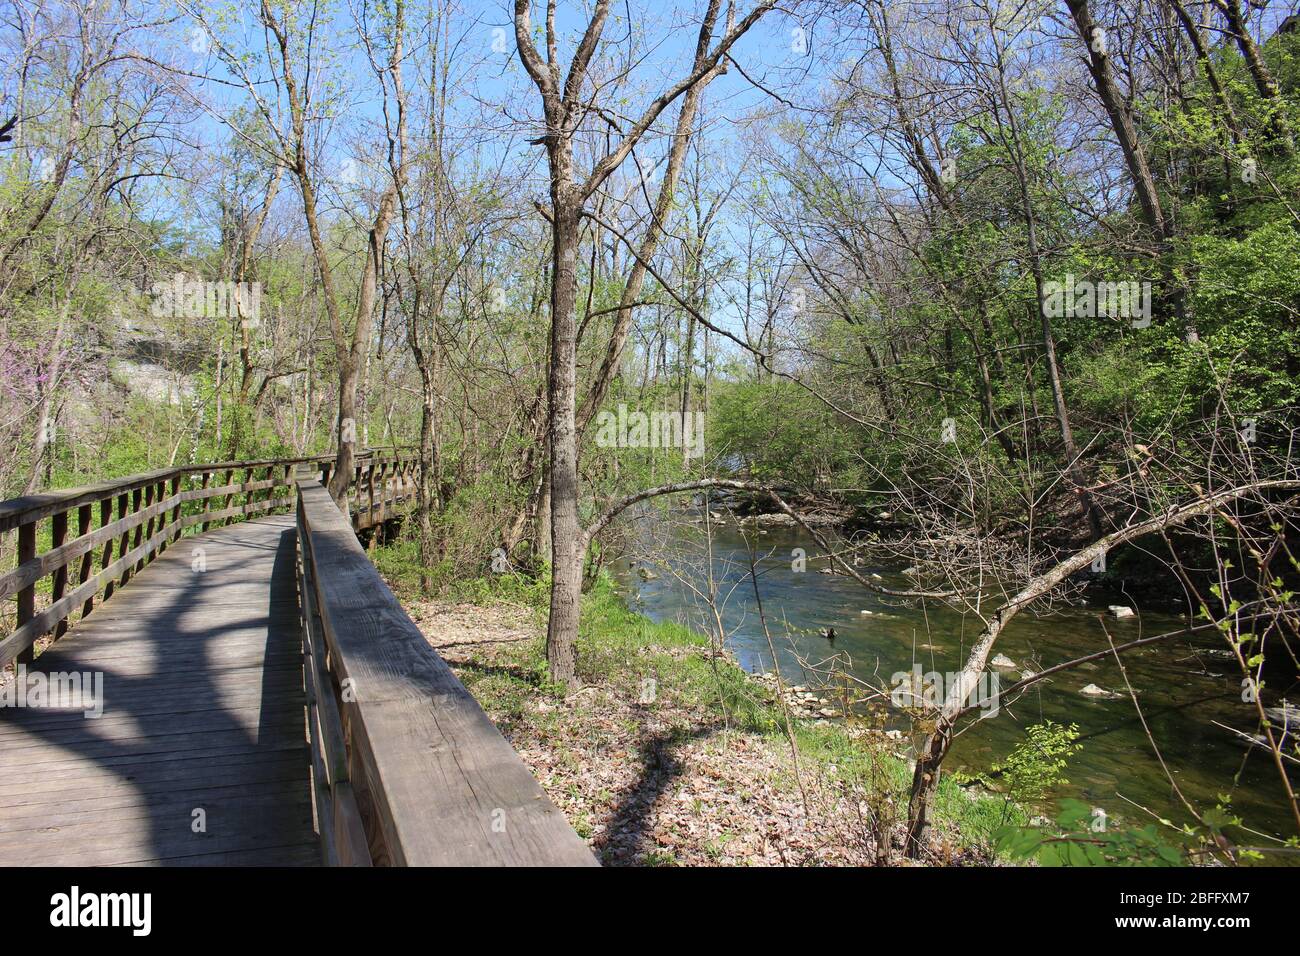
x,y
220,676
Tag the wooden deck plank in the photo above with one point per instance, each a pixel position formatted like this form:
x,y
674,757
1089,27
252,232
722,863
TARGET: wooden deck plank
x,y
107,811
306,854
164,776
64,806
124,732
178,710
203,707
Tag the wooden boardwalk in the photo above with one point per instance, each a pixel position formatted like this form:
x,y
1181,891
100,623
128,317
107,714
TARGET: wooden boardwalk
x,y
201,755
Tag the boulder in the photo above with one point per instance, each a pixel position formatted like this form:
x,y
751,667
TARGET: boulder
x,y
1003,662
1120,611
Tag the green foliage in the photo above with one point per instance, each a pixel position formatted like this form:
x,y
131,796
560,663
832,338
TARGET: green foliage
x,y
1084,840
399,563
778,430
1084,836
1037,764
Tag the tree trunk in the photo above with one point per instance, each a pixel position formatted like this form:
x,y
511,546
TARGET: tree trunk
x,y
566,533
688,367
1120,120
541,517
346,430
1207,65
428,494
1259,72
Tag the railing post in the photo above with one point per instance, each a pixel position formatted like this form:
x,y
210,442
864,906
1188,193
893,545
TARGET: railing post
x,y
88,562
27,596
135,538
176,512
370,496
247,495
163,517
59,577
122,543
143,533
203,501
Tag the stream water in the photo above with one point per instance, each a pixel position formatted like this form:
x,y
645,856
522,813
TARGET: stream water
x,y
1183,687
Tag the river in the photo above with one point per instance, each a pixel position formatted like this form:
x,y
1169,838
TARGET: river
x,y
1184,689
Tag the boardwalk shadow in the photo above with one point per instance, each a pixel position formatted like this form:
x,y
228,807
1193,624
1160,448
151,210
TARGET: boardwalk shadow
x,y
200,755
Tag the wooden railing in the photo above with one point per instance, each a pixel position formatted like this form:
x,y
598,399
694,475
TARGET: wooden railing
x,y
120,526
407,768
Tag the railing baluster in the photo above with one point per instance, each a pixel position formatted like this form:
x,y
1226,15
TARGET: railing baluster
x,y
59,576
105,517
203,501
175,489
27,596
122,543
144,532
370,492
135,538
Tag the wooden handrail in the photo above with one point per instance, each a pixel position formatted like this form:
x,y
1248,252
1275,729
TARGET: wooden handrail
x,y
139,516
407,768
27,508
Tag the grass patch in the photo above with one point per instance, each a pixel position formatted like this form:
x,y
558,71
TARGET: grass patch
x,y
399,563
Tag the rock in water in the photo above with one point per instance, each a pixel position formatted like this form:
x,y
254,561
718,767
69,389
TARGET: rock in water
x,y
1003,661
1092,690
1286,717
1120,611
